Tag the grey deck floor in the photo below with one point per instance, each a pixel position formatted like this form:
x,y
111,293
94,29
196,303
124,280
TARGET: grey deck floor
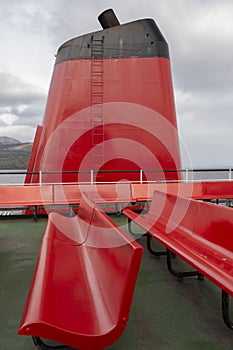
x,y
165,314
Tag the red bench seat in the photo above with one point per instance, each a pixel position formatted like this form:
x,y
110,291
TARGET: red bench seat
x,y
84,281
198,232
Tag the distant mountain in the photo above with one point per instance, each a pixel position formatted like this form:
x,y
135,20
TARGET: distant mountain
x,y
14,154
5,140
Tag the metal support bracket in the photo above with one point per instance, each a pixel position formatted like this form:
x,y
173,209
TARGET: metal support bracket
x,y
225,310
118,209
35,213
71,213
181,274
134,234
42,346
152,251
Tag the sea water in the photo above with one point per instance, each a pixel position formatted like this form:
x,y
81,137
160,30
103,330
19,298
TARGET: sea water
x,y
12,177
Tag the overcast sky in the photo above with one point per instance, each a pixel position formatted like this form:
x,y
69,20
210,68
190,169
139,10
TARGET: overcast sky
x,y
200,38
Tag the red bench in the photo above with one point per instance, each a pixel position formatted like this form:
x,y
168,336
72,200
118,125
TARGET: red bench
x,y
217,189
200,233
144,192
83,283
25,197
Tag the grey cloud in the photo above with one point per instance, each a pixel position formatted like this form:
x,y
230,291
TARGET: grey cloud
x,y
207,128
200,71
24,13
209,151
21,99
199,36
73,20
13,88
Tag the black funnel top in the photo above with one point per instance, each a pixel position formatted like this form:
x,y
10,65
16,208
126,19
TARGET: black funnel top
x,y
140,38
108,19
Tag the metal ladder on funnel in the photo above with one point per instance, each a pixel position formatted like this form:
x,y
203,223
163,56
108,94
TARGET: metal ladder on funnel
x,y
97,118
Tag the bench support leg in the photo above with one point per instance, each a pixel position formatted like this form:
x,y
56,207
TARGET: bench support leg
x,y
180,274
42,346
225,310
118,209
35,213
134,234
152,251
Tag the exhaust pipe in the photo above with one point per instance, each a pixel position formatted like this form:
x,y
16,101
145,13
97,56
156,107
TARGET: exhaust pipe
x,y
108,19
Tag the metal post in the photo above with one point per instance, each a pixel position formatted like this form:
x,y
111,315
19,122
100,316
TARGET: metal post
x,y
92,177
186,175
70,210
229,175
40,177
140,176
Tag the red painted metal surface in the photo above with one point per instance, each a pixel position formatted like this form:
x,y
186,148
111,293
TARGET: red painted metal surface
x,y
26,195
105,193
144,192
200,233
34,151
66,194
139,129
217,189
100,193
72,299
63,194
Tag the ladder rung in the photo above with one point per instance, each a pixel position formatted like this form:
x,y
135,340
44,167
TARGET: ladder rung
x,y
98,129
97,62
97,40
100,72
96,66
97,56
98,133
95,103
97,108
96,98
96,92
97,87
98,119
97,78
97,83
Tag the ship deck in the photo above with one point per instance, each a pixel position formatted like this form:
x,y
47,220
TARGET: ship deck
x,y
165,314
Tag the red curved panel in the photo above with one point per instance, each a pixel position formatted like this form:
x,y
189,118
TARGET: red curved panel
x,y
137,82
